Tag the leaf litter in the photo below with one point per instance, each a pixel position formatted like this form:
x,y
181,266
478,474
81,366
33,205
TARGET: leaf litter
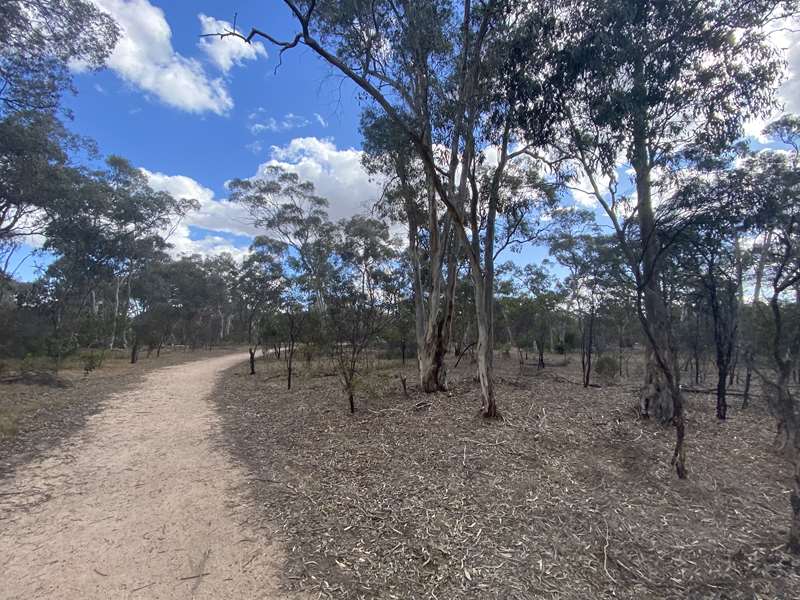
x,y
569,495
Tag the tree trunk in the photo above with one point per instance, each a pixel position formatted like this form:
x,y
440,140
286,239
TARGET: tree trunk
x,y
134,351
485,324
127,309
794,499
732,370
661,391
722,381
252,352
656,400
114,320
288,353
429,325
485,364
747,379
587,341
679,456
350,400
762,260
431,363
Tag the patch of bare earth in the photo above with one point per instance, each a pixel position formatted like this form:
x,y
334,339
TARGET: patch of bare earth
x,y
140,503
45,408
569,496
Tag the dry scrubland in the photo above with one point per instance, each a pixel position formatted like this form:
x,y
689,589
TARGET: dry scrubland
x,y
568,496
48,405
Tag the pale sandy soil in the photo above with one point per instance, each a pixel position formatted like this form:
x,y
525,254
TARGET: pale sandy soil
x,y
140,504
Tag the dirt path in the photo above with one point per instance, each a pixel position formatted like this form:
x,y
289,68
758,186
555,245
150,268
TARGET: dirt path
x,y
140,504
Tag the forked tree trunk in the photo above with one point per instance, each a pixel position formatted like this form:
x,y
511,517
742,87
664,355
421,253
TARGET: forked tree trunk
x,y
433,370
655,400
429,322
661,397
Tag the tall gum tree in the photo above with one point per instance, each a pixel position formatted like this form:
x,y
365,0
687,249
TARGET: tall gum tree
x,y
769,192
407,198
452,103
653,82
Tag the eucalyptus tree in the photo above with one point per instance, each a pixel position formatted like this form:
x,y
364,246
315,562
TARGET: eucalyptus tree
x,y
41,42
651,83
446,74
363,295
299,235
156,312
709,253
133,219
36,172
544,299
408,198
768,185
257,289
295,224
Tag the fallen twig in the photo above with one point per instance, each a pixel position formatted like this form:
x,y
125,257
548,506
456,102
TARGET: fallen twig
x,y
194,576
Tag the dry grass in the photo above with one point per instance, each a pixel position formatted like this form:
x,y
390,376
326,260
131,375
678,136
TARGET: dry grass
x,y
569,496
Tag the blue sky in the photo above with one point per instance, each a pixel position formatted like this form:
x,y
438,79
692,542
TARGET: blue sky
x,y
195,112
210,144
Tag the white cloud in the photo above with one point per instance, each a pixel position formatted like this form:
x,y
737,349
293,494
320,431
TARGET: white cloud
x,y
790,90
254,147
210,245
226,52
320,119
145,58
788,40
215,215
336,174
582,191
285,123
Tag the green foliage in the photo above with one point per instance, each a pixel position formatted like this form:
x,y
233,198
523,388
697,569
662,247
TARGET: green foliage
x,y
39,44
91,361
606,367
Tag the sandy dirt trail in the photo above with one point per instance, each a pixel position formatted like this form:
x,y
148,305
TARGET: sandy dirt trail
x,y
140,504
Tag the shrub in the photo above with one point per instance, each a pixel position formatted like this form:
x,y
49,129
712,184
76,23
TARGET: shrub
x,y
606,367
91,362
